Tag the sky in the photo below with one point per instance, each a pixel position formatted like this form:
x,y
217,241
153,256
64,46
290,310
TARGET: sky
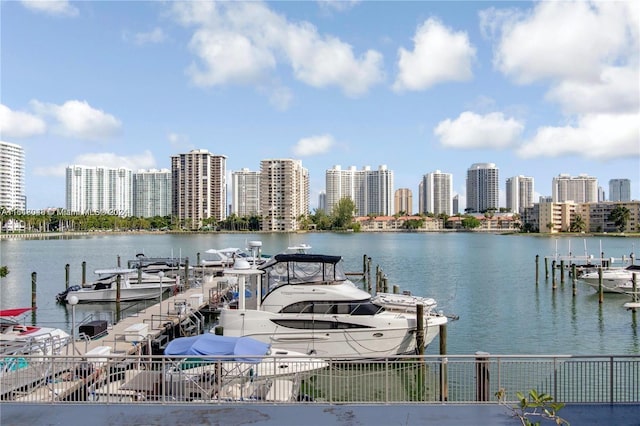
x,y
538,88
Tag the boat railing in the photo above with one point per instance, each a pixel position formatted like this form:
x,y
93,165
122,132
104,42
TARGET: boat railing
x,y
438,379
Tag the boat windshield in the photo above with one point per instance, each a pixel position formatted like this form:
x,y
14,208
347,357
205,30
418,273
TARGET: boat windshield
x,y
303,269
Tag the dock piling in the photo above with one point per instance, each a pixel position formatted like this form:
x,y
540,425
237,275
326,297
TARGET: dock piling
x,y
66,276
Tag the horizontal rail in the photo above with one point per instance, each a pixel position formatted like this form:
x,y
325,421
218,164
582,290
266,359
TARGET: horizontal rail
x,y
117,378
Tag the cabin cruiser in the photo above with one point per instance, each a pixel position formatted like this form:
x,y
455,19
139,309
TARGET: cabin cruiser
x,y
305,303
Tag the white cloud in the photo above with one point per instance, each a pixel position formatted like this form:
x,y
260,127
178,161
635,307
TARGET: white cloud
x,y
439,54
154,36
51,7
337,5
617,91
559,40
102,159
244,42
596,136
471,130
18,124
77,119
313,145
180,142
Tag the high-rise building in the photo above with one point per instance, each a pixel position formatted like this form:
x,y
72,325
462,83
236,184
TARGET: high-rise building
x,y
456,204
370,190
578,189
245,193
519,193
403,201
483,190
198,183
12,195
105,190
619,190
436,193
152,193
322,201
284,194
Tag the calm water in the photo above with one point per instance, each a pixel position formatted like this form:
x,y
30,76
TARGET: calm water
x,y
488,280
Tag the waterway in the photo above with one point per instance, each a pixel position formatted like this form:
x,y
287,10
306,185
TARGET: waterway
x,y
488,280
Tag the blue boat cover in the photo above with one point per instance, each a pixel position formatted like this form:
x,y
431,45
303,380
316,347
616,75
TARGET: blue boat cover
x,y
209,344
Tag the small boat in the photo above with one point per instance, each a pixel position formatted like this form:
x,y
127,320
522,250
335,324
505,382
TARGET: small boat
x,y
17,338
107,291
614,280
234,368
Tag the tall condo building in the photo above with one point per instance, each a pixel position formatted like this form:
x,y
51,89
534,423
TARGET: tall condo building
x,y
322,201
152,193
284,194
371,190
403,201
245,193
12,195
519,193
619,190
483,190
104,190
199,187
436,193
579,189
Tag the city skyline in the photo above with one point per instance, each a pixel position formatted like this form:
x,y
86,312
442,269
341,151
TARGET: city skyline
x,y
416,86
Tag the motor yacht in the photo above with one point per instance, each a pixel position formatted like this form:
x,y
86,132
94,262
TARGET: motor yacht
x,y
305,303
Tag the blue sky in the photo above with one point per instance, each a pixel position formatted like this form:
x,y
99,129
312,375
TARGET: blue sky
x,y
538,88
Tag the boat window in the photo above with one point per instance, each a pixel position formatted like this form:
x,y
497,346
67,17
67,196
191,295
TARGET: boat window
x,y
316,325
332,308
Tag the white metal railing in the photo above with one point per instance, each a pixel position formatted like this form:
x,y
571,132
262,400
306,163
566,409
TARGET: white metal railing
x,y
115,378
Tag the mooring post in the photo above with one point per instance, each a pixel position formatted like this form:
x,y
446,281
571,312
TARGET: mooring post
x,y
385,284
573,278
198,258
600,288
118,261
369,274
396,289
634,289
118,279
562,272
420,328
84,272
34,285
444,385
553,274
66,276
537,266
364,271
546,268
482,376
186,273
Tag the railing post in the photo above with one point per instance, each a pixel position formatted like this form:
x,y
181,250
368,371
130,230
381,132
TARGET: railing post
x,y
482,376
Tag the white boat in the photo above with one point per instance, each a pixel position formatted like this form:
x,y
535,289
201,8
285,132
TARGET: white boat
x,y
305,303
234,368
614,280
107,291
20,339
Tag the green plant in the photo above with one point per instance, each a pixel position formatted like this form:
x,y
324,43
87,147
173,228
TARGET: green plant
x,y
534,406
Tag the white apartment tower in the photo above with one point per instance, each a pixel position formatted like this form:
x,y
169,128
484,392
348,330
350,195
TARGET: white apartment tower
x,y
619,190
245,193
105,190
372,191
436,193
284,194
199,187
152,193
12,195
519,193
483,189
579,189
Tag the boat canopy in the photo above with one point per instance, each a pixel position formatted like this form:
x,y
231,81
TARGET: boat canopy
x,y
208,344
301,268
14,312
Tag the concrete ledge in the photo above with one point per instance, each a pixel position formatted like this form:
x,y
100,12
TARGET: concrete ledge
x,y
299,414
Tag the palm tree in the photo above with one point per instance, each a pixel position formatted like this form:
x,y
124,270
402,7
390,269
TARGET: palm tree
x,y
620,215
578,224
